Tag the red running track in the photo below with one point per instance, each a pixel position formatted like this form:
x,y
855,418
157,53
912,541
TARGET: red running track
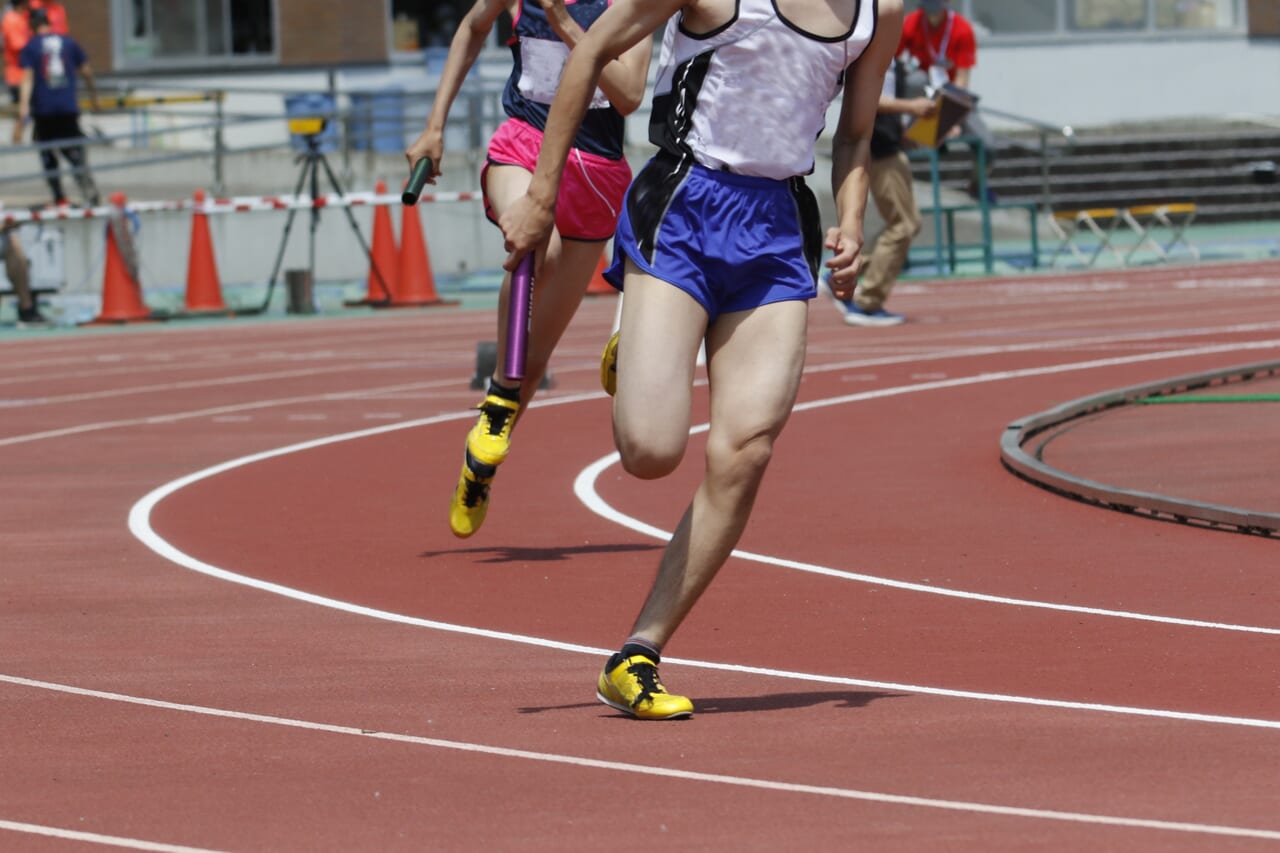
x,y
234,617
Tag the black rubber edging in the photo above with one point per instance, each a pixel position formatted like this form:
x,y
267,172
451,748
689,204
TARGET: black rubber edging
x,y
1160,507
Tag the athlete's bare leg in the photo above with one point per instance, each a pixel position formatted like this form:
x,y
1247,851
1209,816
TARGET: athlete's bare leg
x,y
754,362
559,285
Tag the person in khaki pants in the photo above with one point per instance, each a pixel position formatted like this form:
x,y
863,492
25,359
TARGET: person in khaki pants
x,y
892,189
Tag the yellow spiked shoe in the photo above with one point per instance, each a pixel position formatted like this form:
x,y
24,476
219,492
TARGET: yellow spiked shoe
x,y
609,366
633,688
470,501
490,439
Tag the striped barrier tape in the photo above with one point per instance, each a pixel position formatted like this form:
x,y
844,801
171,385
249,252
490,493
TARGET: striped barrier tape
x,y
234,204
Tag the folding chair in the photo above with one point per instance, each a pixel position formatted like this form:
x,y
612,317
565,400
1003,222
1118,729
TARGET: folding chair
x,y
1070,223
1175,217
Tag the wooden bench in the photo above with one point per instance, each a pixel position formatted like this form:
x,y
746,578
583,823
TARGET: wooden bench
x,y
1171,220
1148,222
952,249
1101,222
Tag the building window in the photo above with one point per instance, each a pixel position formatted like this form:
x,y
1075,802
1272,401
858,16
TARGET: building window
x,y
1014,16
1195,14
1108,15
418,24
1084,19
160,31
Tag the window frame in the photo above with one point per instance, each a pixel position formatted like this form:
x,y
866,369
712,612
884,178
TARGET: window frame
x,y
1064,32
125,61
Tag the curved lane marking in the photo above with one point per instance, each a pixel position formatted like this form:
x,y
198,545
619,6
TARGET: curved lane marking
x,y
97,838
661,772
140,526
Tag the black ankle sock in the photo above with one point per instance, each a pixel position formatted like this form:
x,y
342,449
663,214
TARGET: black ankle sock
x,y
512,394
479,468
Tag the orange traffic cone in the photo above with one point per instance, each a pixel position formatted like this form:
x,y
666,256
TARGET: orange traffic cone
x,y
384,259
121,293
204,290
415,285
598,286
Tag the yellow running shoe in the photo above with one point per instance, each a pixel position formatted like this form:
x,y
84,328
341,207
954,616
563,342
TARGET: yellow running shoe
x,y
609,366
490,439
470,501
633,688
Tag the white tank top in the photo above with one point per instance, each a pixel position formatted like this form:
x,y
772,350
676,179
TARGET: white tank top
x,y
752,96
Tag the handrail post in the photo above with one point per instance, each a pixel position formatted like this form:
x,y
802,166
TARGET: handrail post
x,y
936,181
1045,202
219,145
984,202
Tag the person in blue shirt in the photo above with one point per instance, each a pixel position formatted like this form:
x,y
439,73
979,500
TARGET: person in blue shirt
x,y
47,99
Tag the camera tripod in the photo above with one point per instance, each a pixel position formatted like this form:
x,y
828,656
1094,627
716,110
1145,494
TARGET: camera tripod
x,y
313,160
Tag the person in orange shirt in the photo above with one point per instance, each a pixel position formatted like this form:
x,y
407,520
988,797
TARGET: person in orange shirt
x,y
57,14
17,32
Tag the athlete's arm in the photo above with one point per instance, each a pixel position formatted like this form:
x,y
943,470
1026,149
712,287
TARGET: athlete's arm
x,y
25,88
465,48
623,80
527,223
851,149
90,85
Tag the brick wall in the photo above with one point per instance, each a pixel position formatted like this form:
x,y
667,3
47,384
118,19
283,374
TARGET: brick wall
x,y
1264,18
325,32
90,24
311,32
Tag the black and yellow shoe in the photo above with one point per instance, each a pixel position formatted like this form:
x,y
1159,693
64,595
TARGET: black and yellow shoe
x,y
490,439
609,366
632,687
470,501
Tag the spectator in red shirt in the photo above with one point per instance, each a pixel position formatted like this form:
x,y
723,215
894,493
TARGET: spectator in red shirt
x,y
17,32
943,44
57,14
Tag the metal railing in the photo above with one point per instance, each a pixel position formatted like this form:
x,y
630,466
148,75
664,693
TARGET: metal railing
x,y
368,121
942,215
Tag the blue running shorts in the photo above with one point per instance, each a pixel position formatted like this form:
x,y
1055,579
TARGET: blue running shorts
x,y
732,242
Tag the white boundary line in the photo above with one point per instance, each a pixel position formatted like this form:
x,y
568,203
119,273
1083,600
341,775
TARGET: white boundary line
x,y
662,772
140,526
97,838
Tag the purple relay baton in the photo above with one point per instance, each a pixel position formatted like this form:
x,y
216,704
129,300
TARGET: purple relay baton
x,y
519,311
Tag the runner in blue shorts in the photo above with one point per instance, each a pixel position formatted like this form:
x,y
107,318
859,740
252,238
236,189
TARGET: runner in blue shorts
x,y
719,242
544,31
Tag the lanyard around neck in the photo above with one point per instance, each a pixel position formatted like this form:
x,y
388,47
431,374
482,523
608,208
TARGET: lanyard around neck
x,y
941,52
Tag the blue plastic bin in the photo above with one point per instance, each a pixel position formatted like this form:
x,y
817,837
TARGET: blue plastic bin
x,y
377,120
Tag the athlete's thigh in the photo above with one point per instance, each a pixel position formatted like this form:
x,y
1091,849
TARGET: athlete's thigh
x,y
559,288
661,331
503,185
754,362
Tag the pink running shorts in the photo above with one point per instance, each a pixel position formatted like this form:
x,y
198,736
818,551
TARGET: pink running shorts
x,y
591,191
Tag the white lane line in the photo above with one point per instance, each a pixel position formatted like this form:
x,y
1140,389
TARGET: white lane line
x,y
906,358
140,526
584,488
174,417
1065,344
97,838
664,772
187,385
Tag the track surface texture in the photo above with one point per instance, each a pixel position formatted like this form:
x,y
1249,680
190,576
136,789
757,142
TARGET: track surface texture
x,y
235,618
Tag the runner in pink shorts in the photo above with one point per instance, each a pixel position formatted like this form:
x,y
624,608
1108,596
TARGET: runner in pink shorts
x,y
589,203
591,193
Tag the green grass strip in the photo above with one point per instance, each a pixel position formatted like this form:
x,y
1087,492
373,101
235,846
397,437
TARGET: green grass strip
x,y
1213,398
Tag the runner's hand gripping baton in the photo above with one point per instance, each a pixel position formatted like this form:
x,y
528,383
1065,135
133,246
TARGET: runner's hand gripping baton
x,y
519,311
417,180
